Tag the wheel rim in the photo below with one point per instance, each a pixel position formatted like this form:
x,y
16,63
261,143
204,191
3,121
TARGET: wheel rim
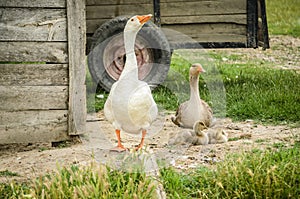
x,y
114,57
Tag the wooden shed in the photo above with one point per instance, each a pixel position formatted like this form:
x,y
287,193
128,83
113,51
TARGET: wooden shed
x,y
184,24
42,70
212,23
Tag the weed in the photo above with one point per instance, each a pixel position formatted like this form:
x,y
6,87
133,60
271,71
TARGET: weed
x,y
13,190
256,174
283,17
8,173
260,140
94,181
233,139
278,145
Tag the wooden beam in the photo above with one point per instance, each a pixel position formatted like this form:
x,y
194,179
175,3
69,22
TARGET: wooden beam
x,y
112,11
15,98
202,38
156,11
192,30
116,2
94,24
264,26
54,52
198,19
215,7
34,74
20,24
252,23
33,3
169,9
77,66
33,126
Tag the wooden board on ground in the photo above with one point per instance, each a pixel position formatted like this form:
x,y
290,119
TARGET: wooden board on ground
x,y
33,126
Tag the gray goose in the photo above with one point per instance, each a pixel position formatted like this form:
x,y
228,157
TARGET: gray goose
x,y
195,109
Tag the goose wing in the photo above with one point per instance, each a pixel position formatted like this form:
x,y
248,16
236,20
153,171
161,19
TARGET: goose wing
x,y
142,108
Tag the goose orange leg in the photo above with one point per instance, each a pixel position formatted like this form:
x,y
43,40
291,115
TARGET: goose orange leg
x,y
144,132
119,147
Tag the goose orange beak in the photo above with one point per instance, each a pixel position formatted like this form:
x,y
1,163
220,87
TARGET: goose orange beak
x,y
200,69
144,18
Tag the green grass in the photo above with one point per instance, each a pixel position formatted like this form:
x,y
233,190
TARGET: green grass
x,y
253,90
13,190
89,182
272,173
260,140
283,17
260,174
261,93
8,173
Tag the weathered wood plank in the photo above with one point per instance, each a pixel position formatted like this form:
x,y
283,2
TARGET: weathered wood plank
x,y
111,11
116,2
19,24
183,1
196,29
33,126
126,2
33,97
191,37
93,24
195,8
217,7
34,74
54,52
236,19
77,66
33,3
218,38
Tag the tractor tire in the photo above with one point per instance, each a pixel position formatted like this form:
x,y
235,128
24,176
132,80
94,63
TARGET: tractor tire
x,y
107,57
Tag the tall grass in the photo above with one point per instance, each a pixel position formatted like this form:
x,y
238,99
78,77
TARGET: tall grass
x,y
253,89
260,174
273,173
261,93
93,181
283,17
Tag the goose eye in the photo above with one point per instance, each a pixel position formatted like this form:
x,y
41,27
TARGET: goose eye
x,y
132,19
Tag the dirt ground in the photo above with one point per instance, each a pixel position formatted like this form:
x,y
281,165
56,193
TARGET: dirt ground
x,y
31,160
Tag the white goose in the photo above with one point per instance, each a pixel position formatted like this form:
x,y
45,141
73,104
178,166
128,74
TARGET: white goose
x,y
130,106
195,109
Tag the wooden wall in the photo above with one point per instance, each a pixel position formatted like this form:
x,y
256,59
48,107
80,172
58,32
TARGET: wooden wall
x,y
42,70
203,21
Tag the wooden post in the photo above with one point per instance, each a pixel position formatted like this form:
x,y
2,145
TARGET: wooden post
x,y
156,11
76,47
252,23
265,31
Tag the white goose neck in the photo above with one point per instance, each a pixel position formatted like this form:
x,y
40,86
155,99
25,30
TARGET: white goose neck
x,y
131,63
